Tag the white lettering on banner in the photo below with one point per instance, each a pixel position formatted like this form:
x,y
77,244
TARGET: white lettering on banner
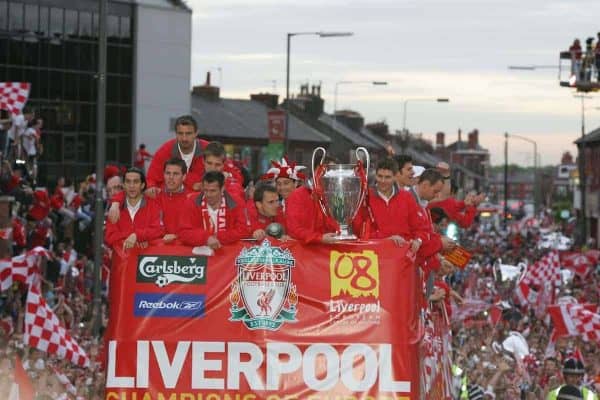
x,y
143,358
170,371
201,364
309,367
248,368
281,358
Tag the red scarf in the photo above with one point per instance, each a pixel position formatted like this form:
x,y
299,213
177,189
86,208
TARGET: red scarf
x,y
207,221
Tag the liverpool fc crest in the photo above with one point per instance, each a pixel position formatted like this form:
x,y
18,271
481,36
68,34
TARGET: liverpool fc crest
x,y
263,295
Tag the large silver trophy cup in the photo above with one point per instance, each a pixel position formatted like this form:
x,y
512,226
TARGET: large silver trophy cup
x,y
341,189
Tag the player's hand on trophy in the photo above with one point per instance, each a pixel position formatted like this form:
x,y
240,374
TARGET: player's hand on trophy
x,y
259,234
399,240
114,213
329,237
213,242
448,244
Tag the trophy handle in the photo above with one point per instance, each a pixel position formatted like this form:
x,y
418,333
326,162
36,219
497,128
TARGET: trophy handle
x,y
314,156
367,158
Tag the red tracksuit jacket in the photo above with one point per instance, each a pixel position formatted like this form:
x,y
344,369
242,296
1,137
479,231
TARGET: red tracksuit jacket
x,y
304,219
258,221
146,224
401,216
457,211
169,150
192,231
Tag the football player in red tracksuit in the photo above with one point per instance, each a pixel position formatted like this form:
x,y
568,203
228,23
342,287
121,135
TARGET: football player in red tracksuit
x,y
186,146
171,199
266,210
429,185
215,159
213,217
190,149
139,220
306,221
287,177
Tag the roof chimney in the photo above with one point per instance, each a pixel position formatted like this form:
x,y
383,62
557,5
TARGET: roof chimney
x,y
473,139
439,140
268,99
207,91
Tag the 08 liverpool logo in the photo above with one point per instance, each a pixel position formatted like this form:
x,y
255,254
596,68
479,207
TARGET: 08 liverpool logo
x,y
263,295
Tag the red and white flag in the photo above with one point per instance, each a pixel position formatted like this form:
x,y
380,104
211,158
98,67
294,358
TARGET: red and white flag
x,y
13,96
576,320
64,379
545,270
22,388
581,264
22,268
470,308
44,331
525,294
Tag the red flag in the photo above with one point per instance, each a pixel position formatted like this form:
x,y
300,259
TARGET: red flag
x,y
576,320
495,315
44,331
22,388
525,294
13,96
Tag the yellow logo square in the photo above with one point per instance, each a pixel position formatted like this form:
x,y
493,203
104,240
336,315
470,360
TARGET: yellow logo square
x,y
354,274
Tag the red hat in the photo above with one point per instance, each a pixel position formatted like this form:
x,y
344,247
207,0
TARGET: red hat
x,y
285,169
110,171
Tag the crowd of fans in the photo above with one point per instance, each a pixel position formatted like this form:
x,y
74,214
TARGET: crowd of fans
x,y
482,367
59,219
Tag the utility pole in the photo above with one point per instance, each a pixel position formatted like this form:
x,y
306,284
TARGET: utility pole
x,y
505,180
100,158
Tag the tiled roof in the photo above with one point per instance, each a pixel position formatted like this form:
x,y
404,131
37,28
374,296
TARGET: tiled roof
x,y
245,119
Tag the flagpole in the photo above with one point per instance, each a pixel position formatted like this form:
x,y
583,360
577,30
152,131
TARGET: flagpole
x,y
100,158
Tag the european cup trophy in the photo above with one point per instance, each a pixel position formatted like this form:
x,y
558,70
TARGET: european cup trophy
x,y
341,188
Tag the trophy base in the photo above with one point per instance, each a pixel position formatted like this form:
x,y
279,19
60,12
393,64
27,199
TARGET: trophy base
x,y
345,237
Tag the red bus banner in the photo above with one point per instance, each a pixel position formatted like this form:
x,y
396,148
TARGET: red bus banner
x,y
267,320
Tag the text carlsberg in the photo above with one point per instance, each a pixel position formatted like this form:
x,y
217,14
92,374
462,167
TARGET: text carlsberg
x,y
164,270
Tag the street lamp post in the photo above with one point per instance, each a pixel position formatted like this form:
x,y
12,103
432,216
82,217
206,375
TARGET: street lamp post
x,y
536,189
439,100
286,141
335,92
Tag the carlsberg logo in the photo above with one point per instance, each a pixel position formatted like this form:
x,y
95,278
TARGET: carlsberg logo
x,y
164,270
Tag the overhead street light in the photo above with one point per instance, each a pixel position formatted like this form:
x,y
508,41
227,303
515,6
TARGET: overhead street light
x,y
338,83
404,113
287,74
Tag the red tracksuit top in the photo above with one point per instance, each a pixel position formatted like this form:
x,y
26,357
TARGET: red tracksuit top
x,y
168,150
457,211
304,219
191,225
404,217
258,221
146,224
172,206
